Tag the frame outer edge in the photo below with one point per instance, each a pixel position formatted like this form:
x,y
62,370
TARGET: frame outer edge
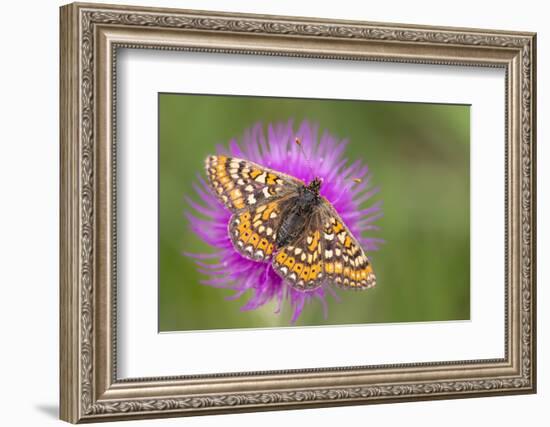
x,y
533,201
69,354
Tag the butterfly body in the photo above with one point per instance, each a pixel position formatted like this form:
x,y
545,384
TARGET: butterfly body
x,y
295,218
277,218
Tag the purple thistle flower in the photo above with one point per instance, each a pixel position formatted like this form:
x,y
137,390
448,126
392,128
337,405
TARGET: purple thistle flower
x,y
324,158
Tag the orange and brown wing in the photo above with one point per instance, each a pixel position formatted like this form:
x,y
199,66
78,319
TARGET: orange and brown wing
x,y
300,263
326,252
253,231
241,184
344,260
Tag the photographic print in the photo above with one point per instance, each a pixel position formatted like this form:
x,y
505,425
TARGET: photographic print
x,y
277,212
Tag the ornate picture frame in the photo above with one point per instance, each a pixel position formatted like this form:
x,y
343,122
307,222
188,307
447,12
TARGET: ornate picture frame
x,y
90,37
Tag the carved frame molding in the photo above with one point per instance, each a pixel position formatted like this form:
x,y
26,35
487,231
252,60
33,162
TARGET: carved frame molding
x,y
90,37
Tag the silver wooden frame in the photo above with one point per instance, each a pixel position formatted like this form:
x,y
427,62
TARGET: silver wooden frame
x,y
90,36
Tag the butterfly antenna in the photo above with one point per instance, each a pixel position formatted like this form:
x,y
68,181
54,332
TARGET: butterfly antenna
x,y
348,187
299,144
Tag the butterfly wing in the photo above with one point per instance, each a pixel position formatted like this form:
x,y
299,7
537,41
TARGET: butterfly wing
x,y
344,260
326,252
300,263
241,184
253,231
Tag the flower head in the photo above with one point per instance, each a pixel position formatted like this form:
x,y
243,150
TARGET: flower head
x,y
345,186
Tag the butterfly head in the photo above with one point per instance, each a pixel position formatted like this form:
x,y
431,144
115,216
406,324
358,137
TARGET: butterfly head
x,y
315,185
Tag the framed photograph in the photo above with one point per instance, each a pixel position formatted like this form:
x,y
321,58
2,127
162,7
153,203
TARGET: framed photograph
x,y
267,212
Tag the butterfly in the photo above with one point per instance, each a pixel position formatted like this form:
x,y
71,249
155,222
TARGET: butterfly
x,y
278,218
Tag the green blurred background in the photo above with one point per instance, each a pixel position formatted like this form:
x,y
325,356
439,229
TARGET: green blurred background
x,y
418,155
